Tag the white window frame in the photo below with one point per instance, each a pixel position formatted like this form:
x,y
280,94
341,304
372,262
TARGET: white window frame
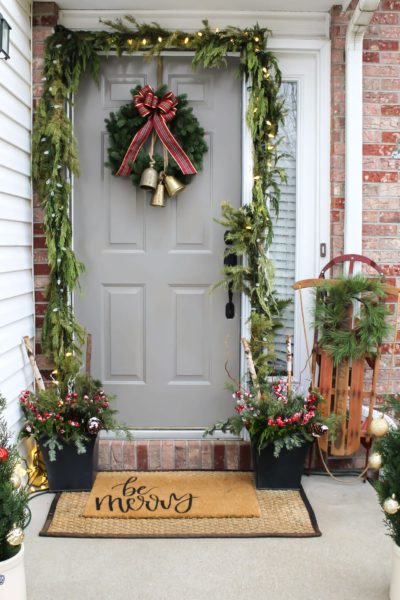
x,y
306,62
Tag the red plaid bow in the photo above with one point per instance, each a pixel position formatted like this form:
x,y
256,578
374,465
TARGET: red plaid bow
x,y
159,113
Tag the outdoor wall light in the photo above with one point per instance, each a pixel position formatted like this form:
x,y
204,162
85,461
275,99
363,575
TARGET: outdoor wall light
x,y
4,38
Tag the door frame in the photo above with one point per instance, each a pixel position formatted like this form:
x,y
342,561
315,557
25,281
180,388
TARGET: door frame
x,y
311,183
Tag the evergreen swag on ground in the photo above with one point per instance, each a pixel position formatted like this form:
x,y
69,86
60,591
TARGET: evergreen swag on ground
x,y
69,55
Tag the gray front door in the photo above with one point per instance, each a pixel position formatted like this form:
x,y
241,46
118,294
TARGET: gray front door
x,y
160,338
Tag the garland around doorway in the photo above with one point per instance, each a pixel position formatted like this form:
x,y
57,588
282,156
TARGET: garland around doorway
x,y
69,55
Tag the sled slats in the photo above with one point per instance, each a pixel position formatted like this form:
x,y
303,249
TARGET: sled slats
x,y
325,388
341,395
372,398
355,407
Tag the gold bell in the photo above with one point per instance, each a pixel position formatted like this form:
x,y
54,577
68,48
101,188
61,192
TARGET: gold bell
x,y
173,185
149,178
158,198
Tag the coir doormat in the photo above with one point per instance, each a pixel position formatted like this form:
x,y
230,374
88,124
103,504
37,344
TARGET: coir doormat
x,y
172,494
283,513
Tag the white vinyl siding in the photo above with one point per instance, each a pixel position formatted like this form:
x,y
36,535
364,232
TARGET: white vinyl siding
x,y
16,276
283,248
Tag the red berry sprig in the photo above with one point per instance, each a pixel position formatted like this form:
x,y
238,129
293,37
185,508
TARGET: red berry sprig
x,y
3,454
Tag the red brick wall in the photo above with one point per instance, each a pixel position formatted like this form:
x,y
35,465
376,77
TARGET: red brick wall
x,y
45,15
338,38
381,111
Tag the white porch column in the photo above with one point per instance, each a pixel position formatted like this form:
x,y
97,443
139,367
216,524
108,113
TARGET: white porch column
x,y
359,22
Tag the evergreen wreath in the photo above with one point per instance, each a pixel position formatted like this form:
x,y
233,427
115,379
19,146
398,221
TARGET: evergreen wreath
x,y
123,125
331,317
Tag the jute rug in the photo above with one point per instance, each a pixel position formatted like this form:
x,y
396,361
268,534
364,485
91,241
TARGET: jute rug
x,y
284,513
172,494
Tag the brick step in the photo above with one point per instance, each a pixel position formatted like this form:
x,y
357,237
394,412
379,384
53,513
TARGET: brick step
x,y
171,455
174,455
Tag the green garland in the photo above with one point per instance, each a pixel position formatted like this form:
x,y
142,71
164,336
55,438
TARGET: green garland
x,y
250,234
336,335
69,54
126,122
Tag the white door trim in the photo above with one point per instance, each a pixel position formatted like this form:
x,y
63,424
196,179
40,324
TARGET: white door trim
x,y
309,65
170,434
300,25
247,187
353,203
312,177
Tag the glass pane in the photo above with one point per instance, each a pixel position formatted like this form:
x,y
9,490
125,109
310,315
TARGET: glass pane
x,y
283,248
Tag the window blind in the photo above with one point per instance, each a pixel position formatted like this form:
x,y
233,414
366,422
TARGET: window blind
x,y
283,248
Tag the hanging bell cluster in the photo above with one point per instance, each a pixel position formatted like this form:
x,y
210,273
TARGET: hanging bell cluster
x,y
158,198
149,178
173,185
161,184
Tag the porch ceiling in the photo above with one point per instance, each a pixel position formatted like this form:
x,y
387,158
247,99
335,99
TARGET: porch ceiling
x,y
189,5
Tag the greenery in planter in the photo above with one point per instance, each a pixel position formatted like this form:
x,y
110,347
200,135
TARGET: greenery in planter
x,y
275,415
14,512
337,336
386,451
69,55
71,411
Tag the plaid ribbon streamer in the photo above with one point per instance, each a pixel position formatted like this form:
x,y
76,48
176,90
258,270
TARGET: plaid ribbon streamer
x,y
160,112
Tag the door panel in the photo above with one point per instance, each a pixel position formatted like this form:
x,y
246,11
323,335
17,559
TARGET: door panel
x,y
160,338
123,319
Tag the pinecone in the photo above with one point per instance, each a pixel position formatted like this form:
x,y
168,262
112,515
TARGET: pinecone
x,y
317,429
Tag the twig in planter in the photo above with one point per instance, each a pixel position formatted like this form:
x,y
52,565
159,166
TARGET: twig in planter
x,y
36,373
88,353
289,362
235,381
250,365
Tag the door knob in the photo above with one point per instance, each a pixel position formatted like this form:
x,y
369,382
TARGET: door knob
x,y
230,260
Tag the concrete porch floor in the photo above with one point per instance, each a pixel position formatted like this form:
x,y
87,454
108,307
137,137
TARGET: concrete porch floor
x,y
351,561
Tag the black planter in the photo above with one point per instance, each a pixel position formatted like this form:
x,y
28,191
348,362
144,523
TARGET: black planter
x,y
70,471
282,473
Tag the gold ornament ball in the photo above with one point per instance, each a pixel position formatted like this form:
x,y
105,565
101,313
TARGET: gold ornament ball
x,y
379,427
15,480
15,537
375,460
391,506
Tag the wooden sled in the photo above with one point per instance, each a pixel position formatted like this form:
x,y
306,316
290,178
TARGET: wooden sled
x,y
350,385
